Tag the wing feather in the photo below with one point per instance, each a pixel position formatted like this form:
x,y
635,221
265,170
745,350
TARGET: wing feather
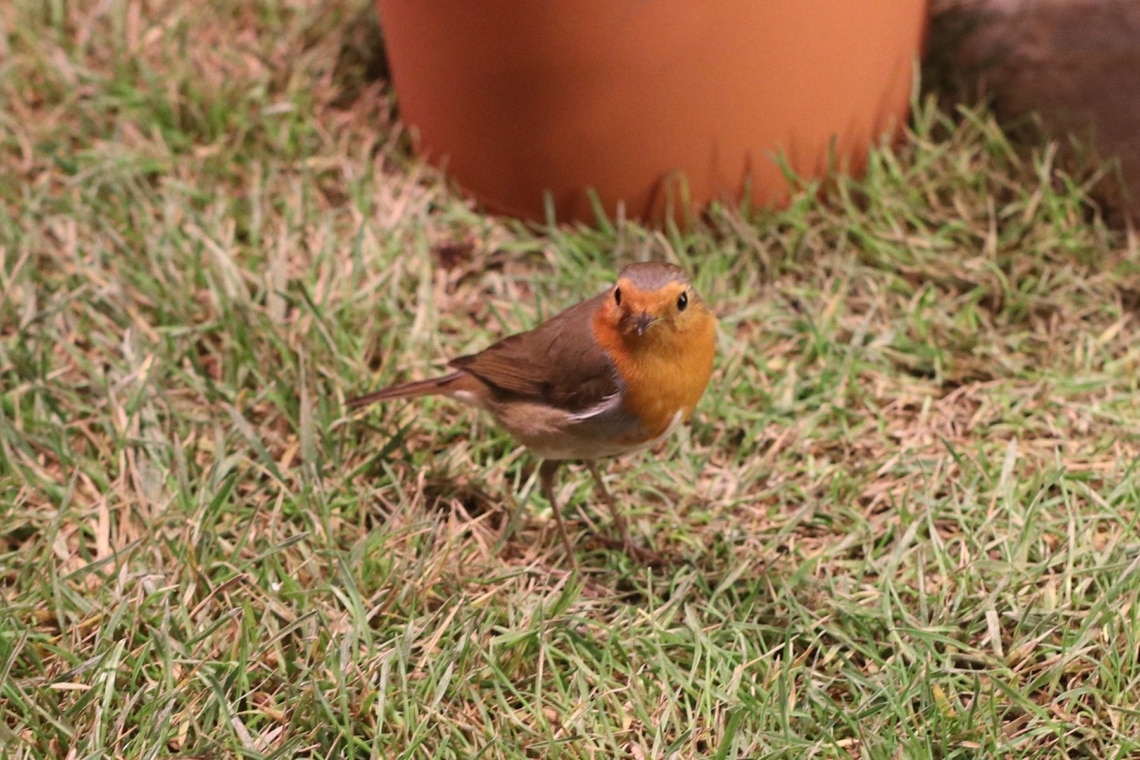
x,y
559,363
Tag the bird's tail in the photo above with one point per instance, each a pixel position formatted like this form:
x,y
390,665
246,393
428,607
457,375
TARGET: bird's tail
x,y
414,389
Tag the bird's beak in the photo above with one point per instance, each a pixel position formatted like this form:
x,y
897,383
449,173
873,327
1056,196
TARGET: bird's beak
x,y
644,320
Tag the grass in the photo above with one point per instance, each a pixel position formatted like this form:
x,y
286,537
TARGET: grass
x,y
904,523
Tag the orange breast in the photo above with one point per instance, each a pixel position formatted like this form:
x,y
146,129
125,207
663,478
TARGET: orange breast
x,y
665,372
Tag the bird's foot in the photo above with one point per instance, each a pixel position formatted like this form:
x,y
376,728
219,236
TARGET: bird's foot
x,y
644,555
639,554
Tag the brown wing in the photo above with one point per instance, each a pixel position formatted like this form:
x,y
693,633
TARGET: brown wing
x,y
558,362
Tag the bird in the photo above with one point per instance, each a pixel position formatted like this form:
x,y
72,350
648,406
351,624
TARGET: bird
x,y
612,375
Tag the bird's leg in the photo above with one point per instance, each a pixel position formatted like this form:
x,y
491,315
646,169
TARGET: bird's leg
x,y
639,553
546,473
619,518
511,526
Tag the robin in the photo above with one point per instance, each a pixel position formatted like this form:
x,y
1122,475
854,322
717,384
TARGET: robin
x,y
612,375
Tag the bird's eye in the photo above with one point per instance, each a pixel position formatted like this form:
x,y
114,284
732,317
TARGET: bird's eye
x,y
682,301
617,296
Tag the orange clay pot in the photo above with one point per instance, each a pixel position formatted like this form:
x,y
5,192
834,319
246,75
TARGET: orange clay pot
x,y
658,105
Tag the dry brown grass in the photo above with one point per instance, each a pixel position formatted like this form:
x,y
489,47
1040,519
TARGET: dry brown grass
x,y
903,525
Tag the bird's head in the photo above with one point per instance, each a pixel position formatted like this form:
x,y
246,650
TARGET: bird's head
x,y
654,303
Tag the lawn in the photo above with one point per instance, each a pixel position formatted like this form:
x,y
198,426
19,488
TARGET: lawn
x,y
902,524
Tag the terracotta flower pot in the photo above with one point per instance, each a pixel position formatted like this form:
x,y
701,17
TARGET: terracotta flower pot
x,y
660,105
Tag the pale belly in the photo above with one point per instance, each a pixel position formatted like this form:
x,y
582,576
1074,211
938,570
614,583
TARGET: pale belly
x,y
570,446
554,434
